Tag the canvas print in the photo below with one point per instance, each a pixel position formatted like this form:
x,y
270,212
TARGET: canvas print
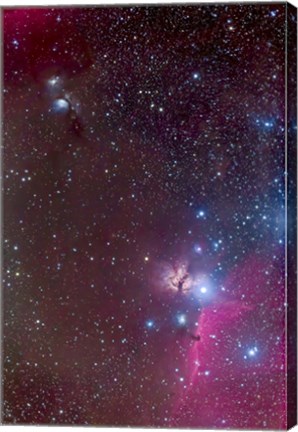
x,y
149,215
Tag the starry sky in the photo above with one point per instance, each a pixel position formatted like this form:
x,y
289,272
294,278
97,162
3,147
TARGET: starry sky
x,y
144,214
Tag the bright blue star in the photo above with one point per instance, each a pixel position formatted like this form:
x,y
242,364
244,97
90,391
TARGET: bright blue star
x,y
200,214
196,76
268,124
149,324
181,318
251,352
265,124
197,249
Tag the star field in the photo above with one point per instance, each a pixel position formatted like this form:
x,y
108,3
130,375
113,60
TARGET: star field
x,y
144,197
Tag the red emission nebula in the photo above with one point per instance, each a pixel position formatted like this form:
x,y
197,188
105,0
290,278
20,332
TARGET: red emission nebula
x,y
144,216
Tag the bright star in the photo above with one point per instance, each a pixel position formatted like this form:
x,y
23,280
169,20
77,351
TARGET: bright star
x,y
15,43
197,249
181,319
252,351
149,323
53,81
200,214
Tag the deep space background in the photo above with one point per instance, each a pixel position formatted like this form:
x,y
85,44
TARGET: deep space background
x,y
144,216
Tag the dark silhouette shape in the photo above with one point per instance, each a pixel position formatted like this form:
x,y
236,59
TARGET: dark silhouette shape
x,y
196,338
179,284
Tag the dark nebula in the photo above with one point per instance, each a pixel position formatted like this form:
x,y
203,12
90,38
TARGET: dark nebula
x,y
144,216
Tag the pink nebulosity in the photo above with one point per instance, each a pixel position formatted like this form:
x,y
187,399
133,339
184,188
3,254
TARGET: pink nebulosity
x,y
232,363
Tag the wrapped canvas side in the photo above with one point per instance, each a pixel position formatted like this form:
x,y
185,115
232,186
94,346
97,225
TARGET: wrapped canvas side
x,y
291,188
